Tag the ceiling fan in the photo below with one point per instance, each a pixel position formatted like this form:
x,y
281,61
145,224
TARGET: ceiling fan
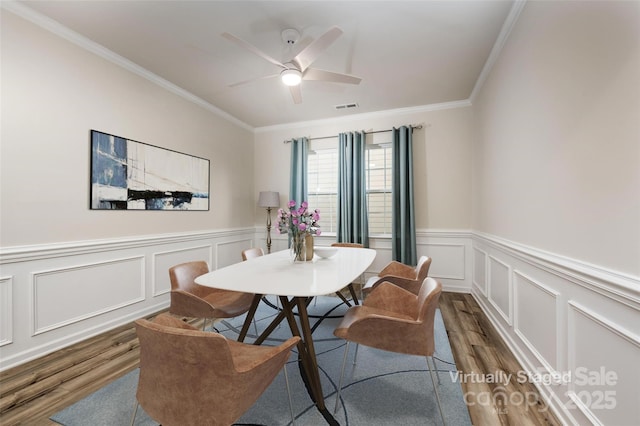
x,y
298,68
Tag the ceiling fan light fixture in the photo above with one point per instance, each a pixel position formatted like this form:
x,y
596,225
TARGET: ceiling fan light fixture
x,y
291,77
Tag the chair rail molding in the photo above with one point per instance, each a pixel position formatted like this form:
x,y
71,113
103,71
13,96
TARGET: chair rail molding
x,y
595,277
68,248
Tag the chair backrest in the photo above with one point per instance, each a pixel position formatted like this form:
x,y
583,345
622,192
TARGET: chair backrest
x,y
251,253
422,268
189,377
428,299
183,276
352,245
179,376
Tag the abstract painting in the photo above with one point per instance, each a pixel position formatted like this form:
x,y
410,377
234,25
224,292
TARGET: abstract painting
x,y
130,175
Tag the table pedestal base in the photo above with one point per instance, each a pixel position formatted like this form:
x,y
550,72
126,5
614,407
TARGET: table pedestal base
x,y
306,349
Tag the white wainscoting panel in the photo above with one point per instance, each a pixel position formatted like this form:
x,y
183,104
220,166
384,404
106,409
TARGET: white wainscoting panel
x,y
536,311
6,310
451,260
500,287
450,253
480,270
600,353
571,320
85,291
230,252
55,295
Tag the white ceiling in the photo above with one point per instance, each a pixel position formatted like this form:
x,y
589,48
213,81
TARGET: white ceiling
x,y
408,53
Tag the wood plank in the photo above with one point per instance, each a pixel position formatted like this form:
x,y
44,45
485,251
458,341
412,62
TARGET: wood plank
x,y
449,316
65,360
85,347
41,387
472,304
480,413
74,389
505,392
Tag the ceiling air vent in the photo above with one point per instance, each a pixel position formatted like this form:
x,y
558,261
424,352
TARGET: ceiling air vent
x,y
346,106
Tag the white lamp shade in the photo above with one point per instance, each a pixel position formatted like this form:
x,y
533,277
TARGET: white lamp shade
x,y
269,199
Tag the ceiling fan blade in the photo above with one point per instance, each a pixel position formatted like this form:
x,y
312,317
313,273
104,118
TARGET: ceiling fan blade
x,y
296,94
252,49
322,75
251,80
319,45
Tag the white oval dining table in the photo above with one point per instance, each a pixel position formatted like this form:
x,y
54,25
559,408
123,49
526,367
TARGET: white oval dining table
x,y
295,284
276,274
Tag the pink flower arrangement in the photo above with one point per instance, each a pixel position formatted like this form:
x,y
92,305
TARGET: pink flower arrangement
x,y
298,220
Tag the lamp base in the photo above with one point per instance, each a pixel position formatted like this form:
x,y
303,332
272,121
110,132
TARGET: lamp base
x,y
268,230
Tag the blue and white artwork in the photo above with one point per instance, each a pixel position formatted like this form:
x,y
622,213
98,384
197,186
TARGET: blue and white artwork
x,y
130,175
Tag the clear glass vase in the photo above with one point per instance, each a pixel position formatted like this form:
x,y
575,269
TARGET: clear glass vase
x,y
298,248
302,247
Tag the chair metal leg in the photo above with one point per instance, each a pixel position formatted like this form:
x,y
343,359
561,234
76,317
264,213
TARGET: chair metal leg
x,y
344,361
355,356
433,358
278,308
286,381
435,388
135,411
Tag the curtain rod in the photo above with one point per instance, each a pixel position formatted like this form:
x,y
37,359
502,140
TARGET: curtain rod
x,y
417,126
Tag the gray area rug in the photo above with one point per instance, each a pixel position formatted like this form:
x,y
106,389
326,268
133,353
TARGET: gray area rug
x,y
382,388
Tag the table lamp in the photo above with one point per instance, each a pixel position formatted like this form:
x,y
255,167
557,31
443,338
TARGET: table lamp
x,y
269,200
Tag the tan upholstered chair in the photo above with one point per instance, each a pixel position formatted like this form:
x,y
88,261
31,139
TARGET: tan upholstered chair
x,y
396,320
251,253
193,300
402,275
191,377
352,291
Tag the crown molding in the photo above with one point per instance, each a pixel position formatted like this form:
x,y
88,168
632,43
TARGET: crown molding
x,y
512,18
364,116
60,30
85,43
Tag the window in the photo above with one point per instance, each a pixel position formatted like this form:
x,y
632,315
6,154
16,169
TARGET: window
x,y
322,185
322,175
378,175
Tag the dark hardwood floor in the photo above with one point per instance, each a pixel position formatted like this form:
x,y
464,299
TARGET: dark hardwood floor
x,y
32,392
